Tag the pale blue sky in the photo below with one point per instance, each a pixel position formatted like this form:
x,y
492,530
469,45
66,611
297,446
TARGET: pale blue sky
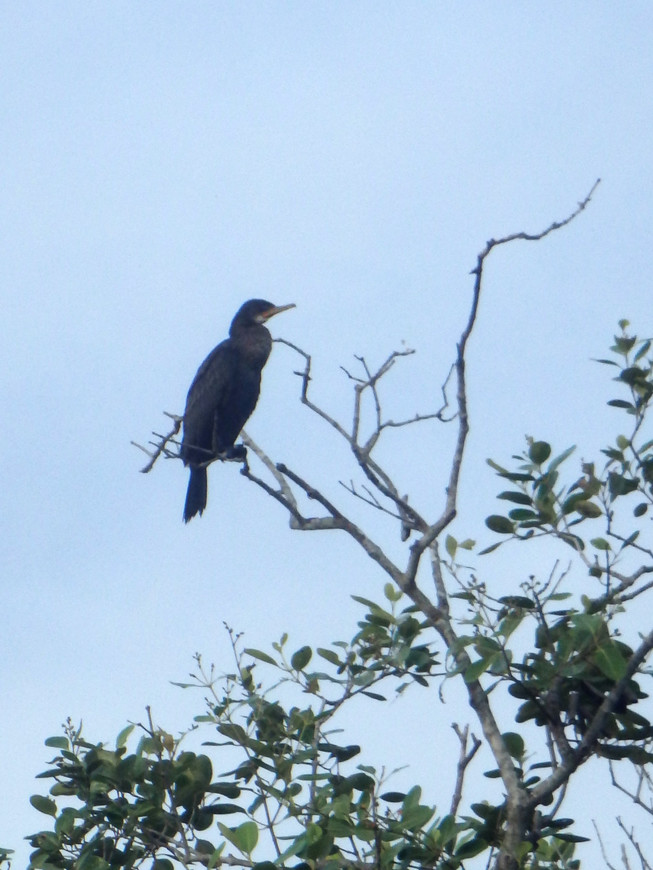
x,y
164,161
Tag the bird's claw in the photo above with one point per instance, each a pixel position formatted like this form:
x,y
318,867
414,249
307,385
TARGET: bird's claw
x,y
237,453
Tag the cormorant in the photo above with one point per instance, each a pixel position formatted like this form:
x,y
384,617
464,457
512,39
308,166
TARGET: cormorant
x,y
223,395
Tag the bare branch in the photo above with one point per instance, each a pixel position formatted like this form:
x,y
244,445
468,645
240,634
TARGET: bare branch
x,y
449,511
603,851
535,237
161,446
630,834
617,595
339,521
306,378
284,489
643,778
463,762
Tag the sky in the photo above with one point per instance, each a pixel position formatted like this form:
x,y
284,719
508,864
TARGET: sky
x,y
162,163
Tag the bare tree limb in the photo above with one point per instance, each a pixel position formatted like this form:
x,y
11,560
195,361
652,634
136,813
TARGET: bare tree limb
x,y
464,760
161,446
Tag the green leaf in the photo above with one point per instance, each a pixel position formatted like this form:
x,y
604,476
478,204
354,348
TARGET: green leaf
x,y
341,753
574,541
226,789
609,659
123,737
361,782
234,732
539,452
633,376
517,601
478,667
393,797
451,545
413,797
621,485
58,742
43,804
261,656
246,837
301,658
501,525
329,655
514,744
589,509
561,458
600,543
470,848
521,515
620,403
516,497
375,609
487,550
640,510
392,593
374,695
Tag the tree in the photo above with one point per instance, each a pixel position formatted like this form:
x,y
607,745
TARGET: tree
x,y
288,794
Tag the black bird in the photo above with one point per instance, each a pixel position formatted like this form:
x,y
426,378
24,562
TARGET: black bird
x,y
223,395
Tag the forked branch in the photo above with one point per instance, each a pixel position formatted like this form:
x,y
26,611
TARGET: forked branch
x,y
161,445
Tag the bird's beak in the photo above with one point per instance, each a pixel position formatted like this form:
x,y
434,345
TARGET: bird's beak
x,y
277,309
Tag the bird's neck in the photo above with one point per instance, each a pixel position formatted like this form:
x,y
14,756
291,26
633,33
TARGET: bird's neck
x,y
253,342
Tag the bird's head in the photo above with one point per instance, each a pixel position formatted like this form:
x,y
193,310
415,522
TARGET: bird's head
x,y
257,311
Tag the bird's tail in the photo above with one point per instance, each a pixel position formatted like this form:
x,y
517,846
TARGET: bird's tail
x,y
196,494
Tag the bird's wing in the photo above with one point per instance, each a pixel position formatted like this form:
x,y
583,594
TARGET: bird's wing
x,y
212,376
205,397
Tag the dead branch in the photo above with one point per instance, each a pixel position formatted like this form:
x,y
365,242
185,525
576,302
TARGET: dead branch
x,y
161,445
643,780
464,760
630,835
603,850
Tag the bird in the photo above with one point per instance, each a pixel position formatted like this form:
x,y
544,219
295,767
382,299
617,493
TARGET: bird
x,y
222,397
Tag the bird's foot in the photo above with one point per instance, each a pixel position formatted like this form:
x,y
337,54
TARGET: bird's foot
x,y
237,453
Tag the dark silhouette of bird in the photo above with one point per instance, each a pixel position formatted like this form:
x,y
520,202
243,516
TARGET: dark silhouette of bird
x,y
222,397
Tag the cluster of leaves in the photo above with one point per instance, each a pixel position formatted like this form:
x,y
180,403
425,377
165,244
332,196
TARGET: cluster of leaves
x,y
573,661
293,784
564,681
576,657
158,803
548,507
127,807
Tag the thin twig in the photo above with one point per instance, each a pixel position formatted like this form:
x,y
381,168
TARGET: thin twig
x,y
161,446
464,760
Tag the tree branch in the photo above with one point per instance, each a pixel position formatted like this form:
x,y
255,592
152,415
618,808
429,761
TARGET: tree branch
x,y
161,446
464,760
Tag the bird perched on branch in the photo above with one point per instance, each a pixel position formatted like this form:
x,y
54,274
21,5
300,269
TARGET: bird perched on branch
x,y
223,395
